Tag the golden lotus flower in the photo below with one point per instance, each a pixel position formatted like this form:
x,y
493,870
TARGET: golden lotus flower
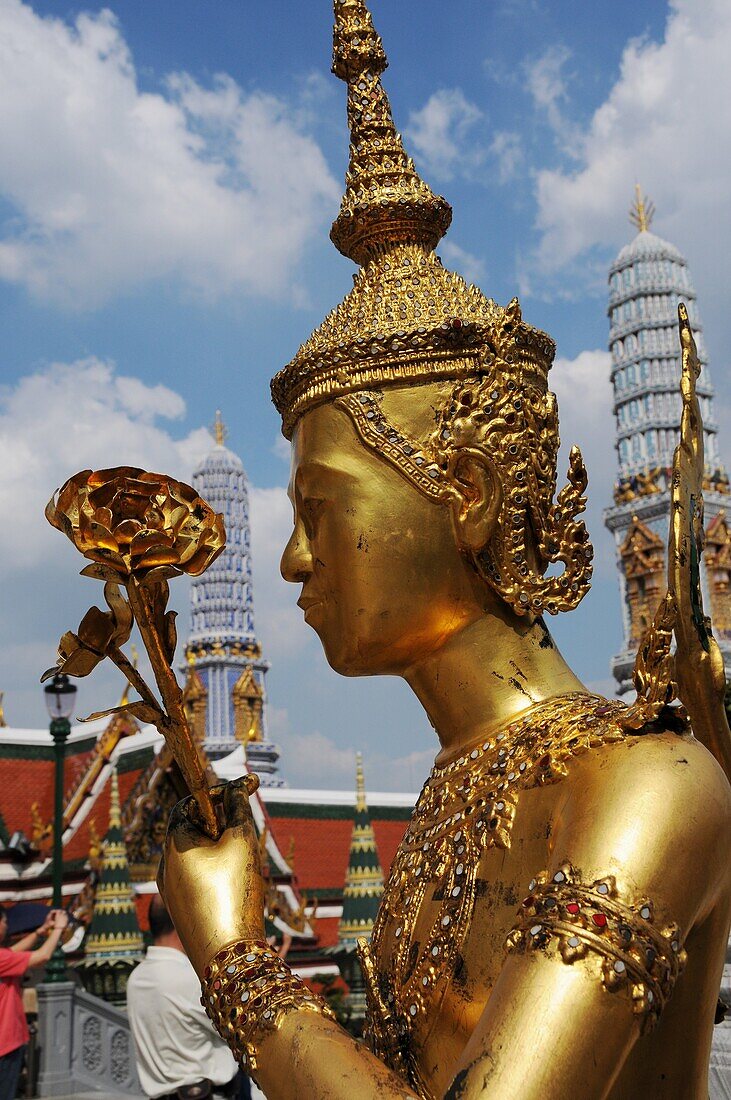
x,y
130,522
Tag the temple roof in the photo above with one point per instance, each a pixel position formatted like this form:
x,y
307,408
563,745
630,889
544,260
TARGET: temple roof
x,y
219,457
647,246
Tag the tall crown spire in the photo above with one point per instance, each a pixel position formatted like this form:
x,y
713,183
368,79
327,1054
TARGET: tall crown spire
x,y
385,201
642,211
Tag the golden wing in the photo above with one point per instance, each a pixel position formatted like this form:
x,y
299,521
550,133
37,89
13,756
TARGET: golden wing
x,y
694,673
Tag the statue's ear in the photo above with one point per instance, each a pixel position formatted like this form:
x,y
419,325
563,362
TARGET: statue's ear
x,y
477,499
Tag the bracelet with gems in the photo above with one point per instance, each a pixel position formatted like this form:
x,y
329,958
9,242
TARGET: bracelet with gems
x,y
247,992
580,920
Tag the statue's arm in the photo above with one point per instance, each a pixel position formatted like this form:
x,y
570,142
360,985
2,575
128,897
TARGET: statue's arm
x,y
562,1017
215,895
635,867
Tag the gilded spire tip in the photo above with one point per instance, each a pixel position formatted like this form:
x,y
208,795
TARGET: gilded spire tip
x,y
642,211
115,811
386,202
360,795
220,430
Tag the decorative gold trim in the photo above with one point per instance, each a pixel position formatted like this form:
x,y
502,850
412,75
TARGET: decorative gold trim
x,y
248,991
580,920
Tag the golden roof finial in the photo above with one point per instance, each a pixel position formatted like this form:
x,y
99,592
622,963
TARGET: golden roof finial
x,y
2,711
642,212
385,201
115,811
220,430
360,795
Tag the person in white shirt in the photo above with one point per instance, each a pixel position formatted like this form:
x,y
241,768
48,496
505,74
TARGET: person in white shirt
x,y
179,1055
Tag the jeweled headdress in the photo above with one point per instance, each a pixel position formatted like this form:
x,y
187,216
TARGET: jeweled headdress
x,y
408,320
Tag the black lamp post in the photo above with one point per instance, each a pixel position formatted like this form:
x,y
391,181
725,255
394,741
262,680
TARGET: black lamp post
x,y
59,696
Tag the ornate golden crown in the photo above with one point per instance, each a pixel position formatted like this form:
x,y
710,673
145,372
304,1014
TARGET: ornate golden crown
x,y
407,318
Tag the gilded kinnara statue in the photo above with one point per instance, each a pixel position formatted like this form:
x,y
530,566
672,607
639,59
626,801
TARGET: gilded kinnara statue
x,y
556,918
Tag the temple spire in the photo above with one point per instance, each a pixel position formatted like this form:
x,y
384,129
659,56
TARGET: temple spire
x,y
113,943
386,202
364,877
642,211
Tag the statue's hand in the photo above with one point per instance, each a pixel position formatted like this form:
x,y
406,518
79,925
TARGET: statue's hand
x,y
213,889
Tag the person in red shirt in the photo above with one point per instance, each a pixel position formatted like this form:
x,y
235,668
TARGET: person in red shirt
x,y
14,962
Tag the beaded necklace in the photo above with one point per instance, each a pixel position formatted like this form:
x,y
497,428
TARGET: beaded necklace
x,y
466,806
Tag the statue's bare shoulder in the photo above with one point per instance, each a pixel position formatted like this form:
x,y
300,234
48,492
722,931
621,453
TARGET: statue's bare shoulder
x,y
654,810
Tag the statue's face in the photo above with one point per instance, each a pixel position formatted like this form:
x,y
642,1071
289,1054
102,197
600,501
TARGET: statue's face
x,y
383,582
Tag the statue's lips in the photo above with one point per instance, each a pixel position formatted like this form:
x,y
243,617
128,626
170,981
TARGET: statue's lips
x,y
307,603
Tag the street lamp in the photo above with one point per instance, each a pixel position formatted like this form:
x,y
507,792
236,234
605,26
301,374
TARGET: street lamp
x,y
59,696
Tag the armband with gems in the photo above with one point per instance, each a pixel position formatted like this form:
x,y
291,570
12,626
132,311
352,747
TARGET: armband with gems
x,y
247,991
579,920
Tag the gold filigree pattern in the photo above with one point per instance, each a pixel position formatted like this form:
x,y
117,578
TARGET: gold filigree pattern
x,y
579,920
466,807
385,200
247,992
407,319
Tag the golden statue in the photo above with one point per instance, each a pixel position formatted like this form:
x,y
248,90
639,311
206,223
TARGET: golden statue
x,y
555,921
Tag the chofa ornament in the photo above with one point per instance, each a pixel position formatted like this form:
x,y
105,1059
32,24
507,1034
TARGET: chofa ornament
x,y
139,529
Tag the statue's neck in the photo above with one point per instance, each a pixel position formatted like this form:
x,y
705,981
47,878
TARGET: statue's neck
x,y
485,674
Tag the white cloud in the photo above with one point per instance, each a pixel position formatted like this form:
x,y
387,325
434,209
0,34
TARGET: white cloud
x,y
314,760
70,417
667,123
278,618
64,418
546,81
442,133
470,267
507,149
111,186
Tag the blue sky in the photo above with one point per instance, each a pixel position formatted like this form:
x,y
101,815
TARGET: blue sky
x,y
168,173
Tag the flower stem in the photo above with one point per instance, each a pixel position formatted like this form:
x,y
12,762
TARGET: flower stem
x,y
124,665
174,727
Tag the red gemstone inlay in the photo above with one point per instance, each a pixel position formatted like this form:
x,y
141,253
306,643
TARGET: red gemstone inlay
x,y
456,323
207,972
217,983
573,907
527,902
599,920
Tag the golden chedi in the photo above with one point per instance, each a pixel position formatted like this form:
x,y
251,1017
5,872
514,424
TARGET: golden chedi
x,y
555,920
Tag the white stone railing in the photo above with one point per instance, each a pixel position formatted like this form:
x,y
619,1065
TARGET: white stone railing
x,y
85,1045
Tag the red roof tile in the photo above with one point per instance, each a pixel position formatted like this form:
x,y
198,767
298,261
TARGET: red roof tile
x,y
321,847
